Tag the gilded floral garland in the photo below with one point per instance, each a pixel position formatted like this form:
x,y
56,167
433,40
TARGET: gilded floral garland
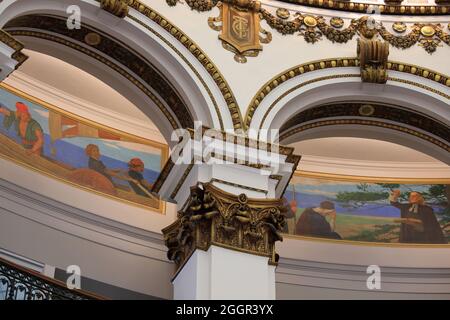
x,y
315,28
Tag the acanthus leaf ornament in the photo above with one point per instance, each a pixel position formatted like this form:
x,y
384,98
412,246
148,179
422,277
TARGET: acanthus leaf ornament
x,y
214,217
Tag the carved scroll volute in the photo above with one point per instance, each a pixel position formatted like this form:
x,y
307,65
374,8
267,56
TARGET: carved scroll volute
x,y
118,8
214,217
373,57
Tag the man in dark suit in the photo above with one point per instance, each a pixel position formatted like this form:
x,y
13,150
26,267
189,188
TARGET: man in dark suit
x,y
313,222
418,222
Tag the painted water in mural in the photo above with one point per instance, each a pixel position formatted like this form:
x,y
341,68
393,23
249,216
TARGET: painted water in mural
x,y
373,212
79,151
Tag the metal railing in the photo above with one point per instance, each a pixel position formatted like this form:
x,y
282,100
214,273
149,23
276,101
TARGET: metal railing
x,y
19,283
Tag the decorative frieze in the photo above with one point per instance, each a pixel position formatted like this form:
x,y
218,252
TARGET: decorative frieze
x,y
212,216
314,28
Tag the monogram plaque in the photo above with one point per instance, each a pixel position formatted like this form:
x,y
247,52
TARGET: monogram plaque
x,y
240,30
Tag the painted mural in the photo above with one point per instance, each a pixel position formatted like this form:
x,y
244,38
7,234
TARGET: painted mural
x,y
78,151
368,211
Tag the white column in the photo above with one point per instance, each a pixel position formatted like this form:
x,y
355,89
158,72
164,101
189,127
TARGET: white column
x,y
225,270
222,274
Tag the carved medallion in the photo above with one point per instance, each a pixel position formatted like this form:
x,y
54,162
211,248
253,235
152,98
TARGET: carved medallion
x,y
310,21
92,38
240,30
427,31
399,27
283,13
337,22
366,110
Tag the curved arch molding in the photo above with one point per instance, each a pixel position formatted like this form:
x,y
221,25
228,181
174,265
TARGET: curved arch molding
x,y
194,49
356,114
54,29
299,70
198,53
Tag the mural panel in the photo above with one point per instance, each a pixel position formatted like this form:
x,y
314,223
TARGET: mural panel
x,y
342,208
78,151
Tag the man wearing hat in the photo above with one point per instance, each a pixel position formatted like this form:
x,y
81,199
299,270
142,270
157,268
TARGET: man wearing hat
x,y
313,222
137,182
28,129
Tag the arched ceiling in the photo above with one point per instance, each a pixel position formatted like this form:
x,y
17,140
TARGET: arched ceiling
x,y
75,82
348,148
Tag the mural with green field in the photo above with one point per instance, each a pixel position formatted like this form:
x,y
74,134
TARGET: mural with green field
x,y
368,211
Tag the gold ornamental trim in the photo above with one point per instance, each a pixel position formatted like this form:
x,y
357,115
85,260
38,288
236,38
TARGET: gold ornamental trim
x,y
390,8
118,8
18,46
199,54
314,28
298,70
393,8
212,216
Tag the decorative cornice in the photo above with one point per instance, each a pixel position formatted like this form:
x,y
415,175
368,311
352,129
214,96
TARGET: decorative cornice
x,y
212,216
336,63
199,54
231,138
17,46
118,8
388,9
382,9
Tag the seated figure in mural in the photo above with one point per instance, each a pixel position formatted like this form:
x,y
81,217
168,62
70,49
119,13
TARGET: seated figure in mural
x,y
137,182
418,221
93,152
97,176
28,129
313,222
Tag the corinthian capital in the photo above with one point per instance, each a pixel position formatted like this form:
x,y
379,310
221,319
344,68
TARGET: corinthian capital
x,y
212,216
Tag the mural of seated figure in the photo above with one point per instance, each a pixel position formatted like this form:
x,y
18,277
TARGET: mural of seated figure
x,y
313,222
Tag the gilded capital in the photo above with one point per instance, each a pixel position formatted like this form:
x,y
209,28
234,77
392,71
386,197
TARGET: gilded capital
x,y
118,8
212,216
